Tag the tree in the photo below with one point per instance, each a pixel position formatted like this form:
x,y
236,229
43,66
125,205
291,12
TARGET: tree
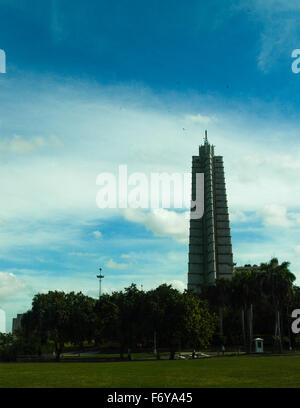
x,y
107,324
51,314
81,318
167,316
246,290
30,334
128,323
219,298
199,324
60,317
8,347
278,287
180,318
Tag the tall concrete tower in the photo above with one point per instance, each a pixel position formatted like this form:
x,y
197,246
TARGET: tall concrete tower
x,y
210,249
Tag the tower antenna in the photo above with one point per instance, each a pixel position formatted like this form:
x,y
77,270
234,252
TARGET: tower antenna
x,y
205,138
100,277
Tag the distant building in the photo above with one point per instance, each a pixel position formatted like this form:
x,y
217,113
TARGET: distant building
x,y
16,323
210,249
246,268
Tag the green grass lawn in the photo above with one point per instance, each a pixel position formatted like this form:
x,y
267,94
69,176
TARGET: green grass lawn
x,y
243,371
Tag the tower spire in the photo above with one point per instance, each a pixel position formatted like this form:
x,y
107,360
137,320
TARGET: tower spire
x,y
205,138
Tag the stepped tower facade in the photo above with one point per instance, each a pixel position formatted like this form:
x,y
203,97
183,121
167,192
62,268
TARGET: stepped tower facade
x,y
210,248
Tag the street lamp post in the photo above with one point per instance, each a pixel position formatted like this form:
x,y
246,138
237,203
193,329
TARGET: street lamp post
x,y
100,277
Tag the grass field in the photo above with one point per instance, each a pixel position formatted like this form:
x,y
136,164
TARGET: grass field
x,y
243,371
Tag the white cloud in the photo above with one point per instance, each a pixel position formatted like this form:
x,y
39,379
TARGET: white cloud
x,y
20,145
276,41
97,234
275,215
162,222
126,256
177,284
198,118
238,216
10,285
280,28
82,254
23,233
294,217
111,264
55,184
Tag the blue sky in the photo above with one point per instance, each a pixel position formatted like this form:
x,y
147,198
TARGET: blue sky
x,y
102,83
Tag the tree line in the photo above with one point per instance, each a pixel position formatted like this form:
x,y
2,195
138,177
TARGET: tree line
x,y
257,301
128,318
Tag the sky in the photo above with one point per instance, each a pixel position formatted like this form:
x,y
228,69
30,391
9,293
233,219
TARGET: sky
x,y
99,84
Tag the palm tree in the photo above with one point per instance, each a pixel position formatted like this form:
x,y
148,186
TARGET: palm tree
x,y
218,295
246,290
278,287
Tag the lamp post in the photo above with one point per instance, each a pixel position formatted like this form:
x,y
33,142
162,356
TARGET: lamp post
x,y
100,277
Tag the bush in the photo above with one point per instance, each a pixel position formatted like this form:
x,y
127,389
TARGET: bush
x,y
8,353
